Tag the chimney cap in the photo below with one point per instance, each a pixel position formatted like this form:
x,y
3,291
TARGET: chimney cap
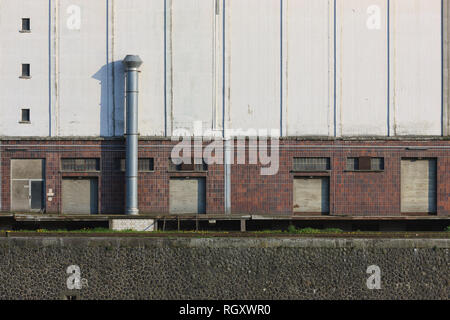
x,y
132,62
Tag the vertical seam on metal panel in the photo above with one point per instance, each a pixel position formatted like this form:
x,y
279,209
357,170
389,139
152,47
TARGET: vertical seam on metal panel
x,y
334,67
107,72
442,68
223,66
388,70
57,50
170,67
281,68
113,72
165,68
227,166
50,68
225,171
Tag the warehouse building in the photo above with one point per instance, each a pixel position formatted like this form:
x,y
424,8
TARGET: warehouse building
x,y
356,91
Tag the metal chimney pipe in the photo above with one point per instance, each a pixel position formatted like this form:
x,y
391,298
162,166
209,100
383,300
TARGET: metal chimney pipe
x,y
132,64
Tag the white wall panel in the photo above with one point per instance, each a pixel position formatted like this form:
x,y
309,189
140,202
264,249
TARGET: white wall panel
x,y
82,85
139,29
362,67
87,77
416,66
253,46
82,63
17,48
193,52
308,67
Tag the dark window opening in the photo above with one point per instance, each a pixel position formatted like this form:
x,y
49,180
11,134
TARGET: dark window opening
x,y
26,25
26,70
194,166
144,165
25,115
80,165
365,164
311,164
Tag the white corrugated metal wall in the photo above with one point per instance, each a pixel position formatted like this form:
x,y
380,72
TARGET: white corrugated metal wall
x,y
303,67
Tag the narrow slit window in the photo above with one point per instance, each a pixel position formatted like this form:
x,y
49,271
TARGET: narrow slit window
x,y
26,25
312,164
365,164
25,70
198,165
25,115
144,165
80,164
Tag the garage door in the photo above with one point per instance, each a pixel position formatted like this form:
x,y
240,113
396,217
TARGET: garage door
x,y
79,196
311,195
187,195
418,186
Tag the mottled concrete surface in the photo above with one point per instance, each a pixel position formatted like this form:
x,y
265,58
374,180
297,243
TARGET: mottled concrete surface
x,y
223,268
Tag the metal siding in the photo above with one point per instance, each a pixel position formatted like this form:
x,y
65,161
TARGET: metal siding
x,y
362,72
416,66
187,195
418,186
253,53
308,67
311,195
79,196
138,28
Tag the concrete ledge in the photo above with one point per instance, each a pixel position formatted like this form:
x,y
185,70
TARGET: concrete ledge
x,y
290,138
217,242
224,217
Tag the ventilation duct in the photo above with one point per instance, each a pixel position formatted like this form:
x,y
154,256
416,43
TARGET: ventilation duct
x,y
132,64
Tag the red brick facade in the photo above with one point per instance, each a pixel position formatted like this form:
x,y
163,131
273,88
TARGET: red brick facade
x,y
351,193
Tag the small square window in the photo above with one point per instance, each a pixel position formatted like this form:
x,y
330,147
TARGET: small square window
x,y
25,70
352,164
145,164
25,115
26,25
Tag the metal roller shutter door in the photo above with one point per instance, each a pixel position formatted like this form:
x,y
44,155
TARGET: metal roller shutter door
x,y
311,195
418,186
79,196
187,195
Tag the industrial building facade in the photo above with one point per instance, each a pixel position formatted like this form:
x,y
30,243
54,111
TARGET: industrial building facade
x,y
356,91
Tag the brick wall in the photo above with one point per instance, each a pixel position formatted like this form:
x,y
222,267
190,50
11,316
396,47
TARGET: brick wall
x,y
351,193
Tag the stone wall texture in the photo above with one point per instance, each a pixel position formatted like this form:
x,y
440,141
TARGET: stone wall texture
x,y
223,268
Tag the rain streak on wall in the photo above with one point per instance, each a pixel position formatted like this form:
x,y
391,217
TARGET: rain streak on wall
x,y
301,67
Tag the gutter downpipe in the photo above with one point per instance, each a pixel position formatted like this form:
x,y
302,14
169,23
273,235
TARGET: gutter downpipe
x,y
227,171
225,124
131,64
